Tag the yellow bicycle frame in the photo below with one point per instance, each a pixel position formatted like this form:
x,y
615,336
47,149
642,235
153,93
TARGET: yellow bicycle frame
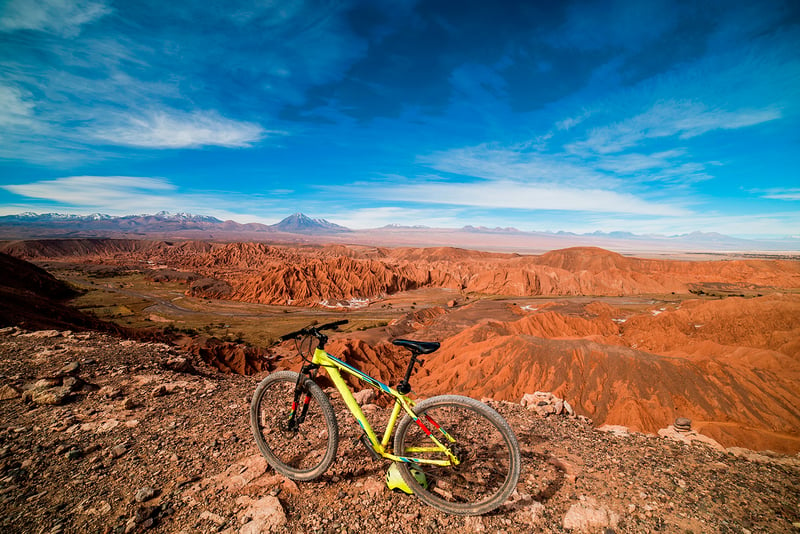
x,y
333,365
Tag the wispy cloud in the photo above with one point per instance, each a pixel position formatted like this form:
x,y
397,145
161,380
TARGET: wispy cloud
x,y
791,193
178,130
60,17
16,109
506,194
510,163
97,191
126,195
681,119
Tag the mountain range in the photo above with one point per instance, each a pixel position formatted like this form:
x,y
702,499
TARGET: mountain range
x,y
299,227
295,223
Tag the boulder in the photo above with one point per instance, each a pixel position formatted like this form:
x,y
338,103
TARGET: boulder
x,y
266,515
589,516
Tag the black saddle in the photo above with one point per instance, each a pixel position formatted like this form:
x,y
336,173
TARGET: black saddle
x,y
417,347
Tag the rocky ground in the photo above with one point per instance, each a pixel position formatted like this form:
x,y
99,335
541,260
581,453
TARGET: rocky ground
x,y
99,434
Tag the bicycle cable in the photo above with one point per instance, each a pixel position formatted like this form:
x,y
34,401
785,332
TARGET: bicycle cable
x,y
298,346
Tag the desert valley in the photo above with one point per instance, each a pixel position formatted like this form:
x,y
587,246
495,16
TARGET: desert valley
x,y
630,342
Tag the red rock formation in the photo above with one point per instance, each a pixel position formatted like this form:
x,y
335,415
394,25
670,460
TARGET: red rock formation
x,y
309,275
740,389
229,357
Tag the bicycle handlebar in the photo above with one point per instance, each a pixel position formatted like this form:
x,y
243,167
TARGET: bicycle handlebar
x,y
313,330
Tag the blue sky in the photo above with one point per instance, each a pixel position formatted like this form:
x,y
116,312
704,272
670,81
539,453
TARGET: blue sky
x,y
644,116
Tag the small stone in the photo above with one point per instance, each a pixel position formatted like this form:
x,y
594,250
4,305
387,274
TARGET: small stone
x,y
53,396
128,404
474,524
8,392
110,392
159,391
45,383
74,454
370,408
118,450
683,424
91,448
43,334
71,368
267,515
144,494
72,383
374,487
179,364
588,515
142,514
212,517
365,396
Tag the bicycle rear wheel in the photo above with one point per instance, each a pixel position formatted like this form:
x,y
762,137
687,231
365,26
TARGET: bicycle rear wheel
x,y
484,443
301,453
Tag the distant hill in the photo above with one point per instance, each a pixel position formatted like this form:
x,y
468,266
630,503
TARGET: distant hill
x,y
300,223
27,225
98,222
33,298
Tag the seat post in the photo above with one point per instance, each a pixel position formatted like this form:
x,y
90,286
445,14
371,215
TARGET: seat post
x,y
404,387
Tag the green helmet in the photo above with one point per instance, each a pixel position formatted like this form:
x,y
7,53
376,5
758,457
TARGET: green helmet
x,y
395,480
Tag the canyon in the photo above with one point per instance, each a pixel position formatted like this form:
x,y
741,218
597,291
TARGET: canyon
x,y
626,340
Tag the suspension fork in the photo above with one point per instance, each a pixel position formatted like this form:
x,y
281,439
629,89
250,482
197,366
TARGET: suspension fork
x,y
295,419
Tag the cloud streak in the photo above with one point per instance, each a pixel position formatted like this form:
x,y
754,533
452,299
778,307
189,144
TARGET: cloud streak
x,y
681,119
164,130
791,194
126,195
506,194
60,17
508,163
97,191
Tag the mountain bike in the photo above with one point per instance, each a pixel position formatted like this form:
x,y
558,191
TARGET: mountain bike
x,y
467,452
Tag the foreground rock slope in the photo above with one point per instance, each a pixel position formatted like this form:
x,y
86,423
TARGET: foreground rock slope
x,y
140,437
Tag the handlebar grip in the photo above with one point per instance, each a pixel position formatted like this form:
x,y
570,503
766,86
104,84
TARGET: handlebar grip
x,y
311,329
292,335
333,325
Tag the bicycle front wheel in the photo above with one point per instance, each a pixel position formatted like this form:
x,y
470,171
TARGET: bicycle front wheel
x,y
484,443
305,451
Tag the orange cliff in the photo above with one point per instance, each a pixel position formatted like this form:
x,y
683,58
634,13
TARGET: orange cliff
x,y
740,384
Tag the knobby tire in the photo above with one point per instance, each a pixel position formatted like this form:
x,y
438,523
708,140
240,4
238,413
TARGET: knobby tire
x,y
485,443
302,454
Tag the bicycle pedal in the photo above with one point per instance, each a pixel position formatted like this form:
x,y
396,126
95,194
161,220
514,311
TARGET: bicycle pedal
x,y
364,439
